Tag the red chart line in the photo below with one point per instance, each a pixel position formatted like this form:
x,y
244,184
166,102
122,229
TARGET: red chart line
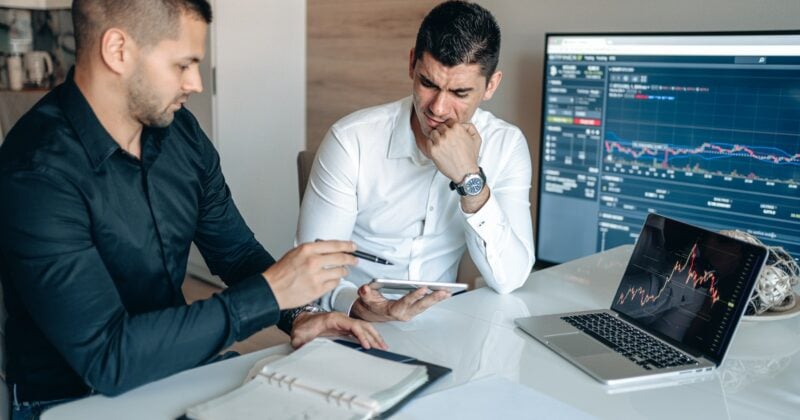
x,y
692,276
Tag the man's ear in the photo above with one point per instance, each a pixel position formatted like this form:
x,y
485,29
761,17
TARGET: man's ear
x,y
411,64
494,82
116,50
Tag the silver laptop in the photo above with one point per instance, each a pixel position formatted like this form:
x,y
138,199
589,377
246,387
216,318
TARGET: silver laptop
x,y
675,312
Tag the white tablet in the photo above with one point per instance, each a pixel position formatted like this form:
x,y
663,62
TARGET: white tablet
x,y
391,286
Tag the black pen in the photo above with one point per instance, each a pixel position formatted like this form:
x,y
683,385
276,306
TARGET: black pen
x,y
365,256
370,257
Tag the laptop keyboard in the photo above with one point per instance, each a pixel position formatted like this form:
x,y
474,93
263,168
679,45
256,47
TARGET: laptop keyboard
x,y
626,340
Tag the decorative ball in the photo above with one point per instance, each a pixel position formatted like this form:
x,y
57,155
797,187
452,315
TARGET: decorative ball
x,y
774,289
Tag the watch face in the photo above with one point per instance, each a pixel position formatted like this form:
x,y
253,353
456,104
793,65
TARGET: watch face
x,y
473,185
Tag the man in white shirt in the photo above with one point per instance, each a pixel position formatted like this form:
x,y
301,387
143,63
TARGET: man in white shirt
x,y
419,180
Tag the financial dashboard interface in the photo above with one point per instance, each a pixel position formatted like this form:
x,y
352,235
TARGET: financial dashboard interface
x,y
702,128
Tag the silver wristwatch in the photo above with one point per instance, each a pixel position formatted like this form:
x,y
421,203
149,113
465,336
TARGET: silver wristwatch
x,y
310,308
471,185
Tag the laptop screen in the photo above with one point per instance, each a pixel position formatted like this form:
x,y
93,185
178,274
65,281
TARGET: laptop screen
x,y
688,285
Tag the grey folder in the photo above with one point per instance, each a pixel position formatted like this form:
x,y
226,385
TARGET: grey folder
x,y
675,311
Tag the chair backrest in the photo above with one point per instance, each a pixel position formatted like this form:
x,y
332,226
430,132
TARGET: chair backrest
x,y
304,161
14,105
4,404
468,273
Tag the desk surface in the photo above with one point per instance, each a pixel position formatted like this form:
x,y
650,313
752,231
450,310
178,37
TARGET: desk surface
x,y
474,334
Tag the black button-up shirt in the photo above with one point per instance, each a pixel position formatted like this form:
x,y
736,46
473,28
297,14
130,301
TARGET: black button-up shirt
x,y
93,251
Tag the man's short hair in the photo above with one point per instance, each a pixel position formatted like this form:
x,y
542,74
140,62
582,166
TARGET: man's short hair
x,y
147,21
457,32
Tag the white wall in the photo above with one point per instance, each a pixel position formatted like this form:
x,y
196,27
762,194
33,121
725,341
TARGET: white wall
x,y
259,124
524,23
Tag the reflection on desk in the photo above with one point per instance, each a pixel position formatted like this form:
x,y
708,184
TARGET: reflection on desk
x,y
510,400
474,344
473,334
763,364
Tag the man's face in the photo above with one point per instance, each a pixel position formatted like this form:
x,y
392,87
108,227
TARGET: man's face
x,y
442,92
167,73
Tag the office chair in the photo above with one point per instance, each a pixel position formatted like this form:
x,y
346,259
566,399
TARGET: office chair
x,y
467,271
304,161
14,105
5,409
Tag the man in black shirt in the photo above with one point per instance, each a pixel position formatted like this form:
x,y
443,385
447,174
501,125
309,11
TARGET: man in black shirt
x,y
104,185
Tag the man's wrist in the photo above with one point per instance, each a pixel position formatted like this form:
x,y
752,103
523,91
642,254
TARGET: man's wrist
x,y
473,204
474,169
310,308
357,309
365,313
472,184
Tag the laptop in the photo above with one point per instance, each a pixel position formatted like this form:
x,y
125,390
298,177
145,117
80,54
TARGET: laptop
x,y
675,312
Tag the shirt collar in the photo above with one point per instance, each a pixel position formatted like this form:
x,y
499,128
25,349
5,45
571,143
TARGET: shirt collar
x,y
402,143
97,142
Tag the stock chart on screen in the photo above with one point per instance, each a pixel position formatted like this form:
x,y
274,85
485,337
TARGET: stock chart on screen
x,y
700,127
687,284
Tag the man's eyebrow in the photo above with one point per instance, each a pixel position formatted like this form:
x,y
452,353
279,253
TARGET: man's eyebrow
x,y
462,90
192,58
457,91
428,81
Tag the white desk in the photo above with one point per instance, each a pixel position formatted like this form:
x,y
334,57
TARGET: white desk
x,y
474,334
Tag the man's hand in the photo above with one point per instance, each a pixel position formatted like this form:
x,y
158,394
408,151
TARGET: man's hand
x,y
308,326
372,306
307,272
454,149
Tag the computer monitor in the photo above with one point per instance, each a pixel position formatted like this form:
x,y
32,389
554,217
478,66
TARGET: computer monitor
x,y
700,127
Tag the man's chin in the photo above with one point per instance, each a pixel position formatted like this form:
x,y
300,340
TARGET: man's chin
x,y
159,121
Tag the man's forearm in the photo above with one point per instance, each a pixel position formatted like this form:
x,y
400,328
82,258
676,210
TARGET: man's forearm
x,y
500,243
472,204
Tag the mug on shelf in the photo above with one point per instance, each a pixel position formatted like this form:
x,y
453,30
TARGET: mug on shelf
x,y
16,75
39,68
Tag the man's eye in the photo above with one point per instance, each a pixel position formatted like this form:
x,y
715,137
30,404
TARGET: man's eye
x,y
427,83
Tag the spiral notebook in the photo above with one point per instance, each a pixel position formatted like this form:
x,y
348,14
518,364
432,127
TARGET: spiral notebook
x,y
322,379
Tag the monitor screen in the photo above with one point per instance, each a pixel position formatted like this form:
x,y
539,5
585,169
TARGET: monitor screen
x,y
701,127
688,285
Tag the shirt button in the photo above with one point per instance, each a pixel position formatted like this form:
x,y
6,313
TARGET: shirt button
x,y
481,224
430,208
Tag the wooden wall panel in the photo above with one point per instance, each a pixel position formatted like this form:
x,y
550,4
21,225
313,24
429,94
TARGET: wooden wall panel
x,y
357,56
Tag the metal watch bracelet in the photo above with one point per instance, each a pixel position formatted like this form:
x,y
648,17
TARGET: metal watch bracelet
x,y
310,308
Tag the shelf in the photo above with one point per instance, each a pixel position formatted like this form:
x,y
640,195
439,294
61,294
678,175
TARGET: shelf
x,y
37,4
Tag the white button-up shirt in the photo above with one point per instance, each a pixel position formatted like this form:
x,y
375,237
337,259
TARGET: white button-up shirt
x,y
371,184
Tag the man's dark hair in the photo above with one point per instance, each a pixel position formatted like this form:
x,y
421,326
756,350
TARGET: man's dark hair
x,y
147,21
457,32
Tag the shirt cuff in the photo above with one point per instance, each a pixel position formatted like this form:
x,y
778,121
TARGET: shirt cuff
x,y
344,299
486,219
253,306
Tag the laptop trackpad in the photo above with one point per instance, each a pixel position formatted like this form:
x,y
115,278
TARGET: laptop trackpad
x,y
577,344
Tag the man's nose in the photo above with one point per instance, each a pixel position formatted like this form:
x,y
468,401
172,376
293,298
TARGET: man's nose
x,y
192,82
438,106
